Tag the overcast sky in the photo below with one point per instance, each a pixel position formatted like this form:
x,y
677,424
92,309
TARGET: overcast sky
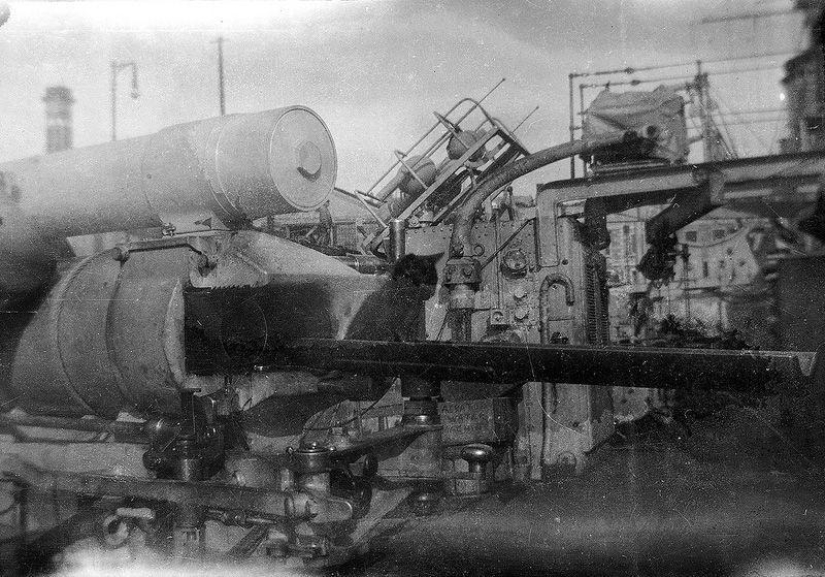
x,y
374,70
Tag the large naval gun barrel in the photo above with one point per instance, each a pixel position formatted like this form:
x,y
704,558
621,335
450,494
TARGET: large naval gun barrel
x,y
225,170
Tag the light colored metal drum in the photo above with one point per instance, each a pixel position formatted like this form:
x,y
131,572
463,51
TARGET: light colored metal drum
x,y
108,337
234,168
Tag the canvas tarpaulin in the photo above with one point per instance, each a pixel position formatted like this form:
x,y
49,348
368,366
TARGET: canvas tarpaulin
x,y
663,108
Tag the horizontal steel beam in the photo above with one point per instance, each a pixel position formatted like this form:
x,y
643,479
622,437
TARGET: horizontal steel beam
x,y
587,365
254,501
738,175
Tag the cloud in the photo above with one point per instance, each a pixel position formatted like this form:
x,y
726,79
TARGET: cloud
x,y
374,70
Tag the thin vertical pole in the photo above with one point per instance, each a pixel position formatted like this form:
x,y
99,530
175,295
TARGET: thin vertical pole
x,y
581,120
221,93
572,125
709,149
114,101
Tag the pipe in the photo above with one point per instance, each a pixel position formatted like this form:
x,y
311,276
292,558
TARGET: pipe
x,y
462,273
397,244
461,241
124,430
569,298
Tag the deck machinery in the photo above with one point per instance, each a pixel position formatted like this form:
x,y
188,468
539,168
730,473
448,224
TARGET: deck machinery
x,y
217,390
543,278
539,272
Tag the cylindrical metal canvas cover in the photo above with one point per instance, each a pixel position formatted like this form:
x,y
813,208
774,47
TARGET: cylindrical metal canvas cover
x,y
238,167
288,150
108,337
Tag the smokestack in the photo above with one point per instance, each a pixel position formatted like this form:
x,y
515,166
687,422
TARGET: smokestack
x,y
59,102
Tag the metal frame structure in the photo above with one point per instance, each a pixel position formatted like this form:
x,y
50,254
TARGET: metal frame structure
x,y
494,143
693,190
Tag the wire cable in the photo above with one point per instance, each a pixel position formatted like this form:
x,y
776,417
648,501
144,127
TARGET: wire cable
x,y
721,101
730,145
